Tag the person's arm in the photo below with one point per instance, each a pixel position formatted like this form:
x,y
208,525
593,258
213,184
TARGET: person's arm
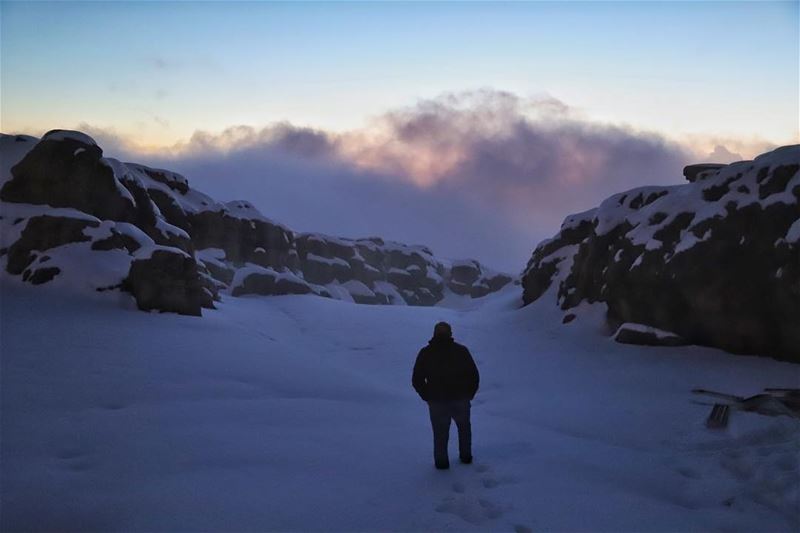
x,y
418,377
474,375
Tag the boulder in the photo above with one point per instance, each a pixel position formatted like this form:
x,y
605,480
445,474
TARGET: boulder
x,y
699,171
167,280
467,277
66,169
497,281
465,273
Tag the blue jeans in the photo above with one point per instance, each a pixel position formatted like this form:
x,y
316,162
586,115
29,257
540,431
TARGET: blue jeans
x,y
441,415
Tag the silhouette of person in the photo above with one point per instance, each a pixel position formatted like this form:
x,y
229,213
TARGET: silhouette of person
x,y
446,377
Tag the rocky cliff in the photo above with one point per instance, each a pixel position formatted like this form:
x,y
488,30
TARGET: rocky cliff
x,y
71,216
715,261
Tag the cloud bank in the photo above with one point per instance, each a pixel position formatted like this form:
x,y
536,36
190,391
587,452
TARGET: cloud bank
x,y
483,174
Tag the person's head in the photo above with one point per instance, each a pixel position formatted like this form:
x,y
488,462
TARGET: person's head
x,y
442,330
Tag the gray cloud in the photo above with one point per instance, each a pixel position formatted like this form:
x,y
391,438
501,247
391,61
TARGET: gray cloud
x,y
484,174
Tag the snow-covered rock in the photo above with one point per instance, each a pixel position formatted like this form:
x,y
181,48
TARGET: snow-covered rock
x,y
69,171
715,260
701,170
255,279
61,196
630,333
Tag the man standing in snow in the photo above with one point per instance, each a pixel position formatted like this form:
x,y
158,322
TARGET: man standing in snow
x,y
446,377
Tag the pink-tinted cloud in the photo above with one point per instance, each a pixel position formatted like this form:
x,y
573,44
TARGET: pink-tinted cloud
x,y
485,174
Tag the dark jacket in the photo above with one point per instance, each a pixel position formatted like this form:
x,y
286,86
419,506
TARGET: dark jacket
x,y
445,371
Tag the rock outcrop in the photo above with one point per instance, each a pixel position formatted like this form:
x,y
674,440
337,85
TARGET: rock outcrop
x,y
69,211
716,260
694,172
67,169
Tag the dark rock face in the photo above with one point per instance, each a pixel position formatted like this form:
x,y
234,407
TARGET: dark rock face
x,y
170,209
693,172
467,277
324,260
66,169
244,240
219,272
717,261
43,233
203,247
43,275
418,277
149,218
168,281
464,274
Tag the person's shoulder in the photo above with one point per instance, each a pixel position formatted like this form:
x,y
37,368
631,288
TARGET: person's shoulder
x,y
460,347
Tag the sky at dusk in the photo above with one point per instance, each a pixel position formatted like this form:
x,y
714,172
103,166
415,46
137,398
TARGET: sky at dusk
x,y
474,128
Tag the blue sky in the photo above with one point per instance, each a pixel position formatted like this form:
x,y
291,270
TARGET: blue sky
x,y
474,128
157,71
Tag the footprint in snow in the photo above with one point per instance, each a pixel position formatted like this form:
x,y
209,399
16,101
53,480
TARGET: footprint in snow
x,y
470,509
74,459
688,472
491,509
466,500
70,453
490,482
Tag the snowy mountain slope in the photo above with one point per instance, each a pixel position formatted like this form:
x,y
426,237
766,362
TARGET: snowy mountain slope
x,y
715,260
70,215
297,413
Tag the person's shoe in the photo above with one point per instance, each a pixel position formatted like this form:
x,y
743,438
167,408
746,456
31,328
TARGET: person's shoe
x,y
442,466
466,460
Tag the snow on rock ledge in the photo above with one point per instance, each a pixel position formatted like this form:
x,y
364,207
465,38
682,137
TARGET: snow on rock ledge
x,y
630,333
716,260
112,225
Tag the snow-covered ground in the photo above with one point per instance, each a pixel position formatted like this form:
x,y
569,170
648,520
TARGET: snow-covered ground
x,y
297,413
